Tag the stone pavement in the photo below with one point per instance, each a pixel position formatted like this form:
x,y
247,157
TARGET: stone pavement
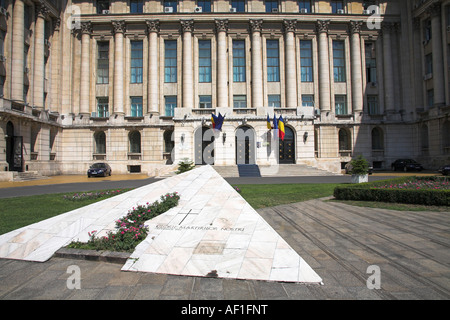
x,y
340,242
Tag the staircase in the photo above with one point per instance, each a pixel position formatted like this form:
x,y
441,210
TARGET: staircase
x,y
248,170
28,176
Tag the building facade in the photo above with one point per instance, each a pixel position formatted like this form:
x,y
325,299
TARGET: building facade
x,y
134,83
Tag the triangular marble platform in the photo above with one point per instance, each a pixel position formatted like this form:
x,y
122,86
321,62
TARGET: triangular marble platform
x,y
212,232
215,232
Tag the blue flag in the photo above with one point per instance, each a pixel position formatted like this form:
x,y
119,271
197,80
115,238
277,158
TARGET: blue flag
x,y
217,121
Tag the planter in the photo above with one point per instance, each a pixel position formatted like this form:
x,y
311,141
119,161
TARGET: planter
x,y
357,178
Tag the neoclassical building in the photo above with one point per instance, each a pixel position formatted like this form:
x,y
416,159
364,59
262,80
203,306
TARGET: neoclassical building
x,y
134,83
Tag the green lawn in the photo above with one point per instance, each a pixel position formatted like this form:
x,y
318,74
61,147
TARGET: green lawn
x,y
22,211
269,195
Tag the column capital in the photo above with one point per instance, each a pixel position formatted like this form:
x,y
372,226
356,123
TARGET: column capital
x,y
355,26
41,10
221,25
322,26
56,24
289,25
256,25
434,10
119,26
86,27
152,26
187,25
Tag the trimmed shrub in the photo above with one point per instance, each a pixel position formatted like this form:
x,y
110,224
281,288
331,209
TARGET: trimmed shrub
x,y
403,190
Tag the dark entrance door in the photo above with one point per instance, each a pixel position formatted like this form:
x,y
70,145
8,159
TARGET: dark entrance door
x,y
14,149
204,146
245,145
287,147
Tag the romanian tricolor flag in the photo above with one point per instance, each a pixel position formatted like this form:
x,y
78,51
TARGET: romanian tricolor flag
x,y
217,121
281,128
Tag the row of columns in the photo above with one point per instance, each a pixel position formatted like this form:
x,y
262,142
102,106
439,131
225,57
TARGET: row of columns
x,y
18,46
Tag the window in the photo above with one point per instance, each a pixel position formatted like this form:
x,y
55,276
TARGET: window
x,y
171,4
239,61
136,61
136,6
135,142
340,103
204,61
339,61
170,61
205,5
102,5
430,98
239,5
427,31
205,102
103,62
170,104
336,6
271,5
371,63
136,107
429,64
2,85
306,63
273,61
239,101
102,107
377,139
344,140
305,5
372,103
100,142
2,42
274,100
307,100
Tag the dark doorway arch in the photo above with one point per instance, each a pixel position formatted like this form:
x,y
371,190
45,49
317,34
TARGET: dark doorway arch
x,y
14,149
204,146
245,145
287,147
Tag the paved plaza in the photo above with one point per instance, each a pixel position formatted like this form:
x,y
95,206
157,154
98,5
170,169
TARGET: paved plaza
x,y
353,250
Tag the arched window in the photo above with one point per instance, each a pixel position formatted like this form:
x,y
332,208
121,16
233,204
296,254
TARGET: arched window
x,y
135,142
377,139
446,137
168,141
100,142
344,140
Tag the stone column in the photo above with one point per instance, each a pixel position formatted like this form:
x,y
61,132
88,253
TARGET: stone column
x,y
153,94
222,65
39,62
417,70
257,66
355,50
324,65
119,30
86,30
291,69
187,27
438,59
388,68
56,66
17,63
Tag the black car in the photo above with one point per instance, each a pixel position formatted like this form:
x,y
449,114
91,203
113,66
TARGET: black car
x,y
406,165
445,170
99,169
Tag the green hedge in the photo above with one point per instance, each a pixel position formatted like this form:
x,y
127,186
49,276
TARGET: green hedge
x,y
368,192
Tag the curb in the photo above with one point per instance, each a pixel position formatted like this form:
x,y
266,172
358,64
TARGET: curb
x,y
93,255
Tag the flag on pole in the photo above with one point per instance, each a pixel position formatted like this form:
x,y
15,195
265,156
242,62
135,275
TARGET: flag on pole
x,y
281,127
217,121
269,125
275,126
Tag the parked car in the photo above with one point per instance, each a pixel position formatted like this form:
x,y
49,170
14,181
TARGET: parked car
x,y
348,168
99,169
445,170
406,165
